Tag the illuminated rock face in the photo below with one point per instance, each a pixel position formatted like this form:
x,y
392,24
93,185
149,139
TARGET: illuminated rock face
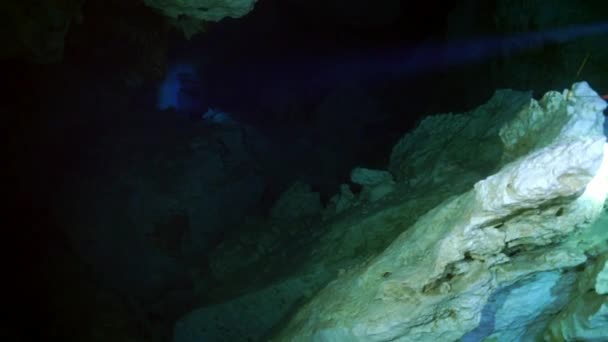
x,y
190,15
208,10
496,261
489,231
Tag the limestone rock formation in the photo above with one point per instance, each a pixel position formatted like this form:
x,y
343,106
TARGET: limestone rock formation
x,y
191,14
208,10
37,30
495,230
508,236
376,183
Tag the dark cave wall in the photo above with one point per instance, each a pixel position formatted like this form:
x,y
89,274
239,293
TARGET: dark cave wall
x,y
552,62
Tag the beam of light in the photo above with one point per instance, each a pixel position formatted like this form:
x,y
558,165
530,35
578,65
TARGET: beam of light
x,y
411,60
432,56
303,74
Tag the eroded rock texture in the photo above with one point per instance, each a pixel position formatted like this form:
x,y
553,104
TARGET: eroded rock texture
x,y
493,254
191,15
491,232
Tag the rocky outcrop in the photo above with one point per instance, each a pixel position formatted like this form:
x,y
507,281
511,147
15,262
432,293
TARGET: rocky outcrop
x,y
37,31
190,16
489,231
472,258
208,10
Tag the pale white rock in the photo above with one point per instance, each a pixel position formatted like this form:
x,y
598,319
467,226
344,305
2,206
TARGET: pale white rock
x,y
492,229
434,280
601,283
583,107
560,170
575,113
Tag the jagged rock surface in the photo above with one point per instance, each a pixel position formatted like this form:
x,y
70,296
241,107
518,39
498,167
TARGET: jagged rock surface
x,y
208,10
433,282
487,206
191,15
